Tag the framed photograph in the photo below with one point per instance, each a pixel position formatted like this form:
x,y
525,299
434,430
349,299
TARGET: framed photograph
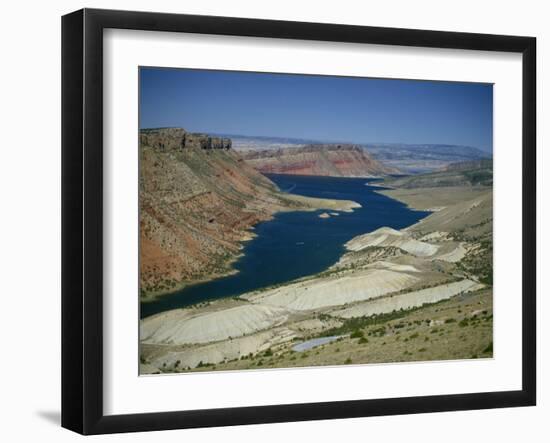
x,y
269,221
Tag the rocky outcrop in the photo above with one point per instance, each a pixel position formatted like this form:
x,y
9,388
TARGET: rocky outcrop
x,y
198,200
334,160
177,139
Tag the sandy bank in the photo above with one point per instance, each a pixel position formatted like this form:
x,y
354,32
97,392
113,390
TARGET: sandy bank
x,y
322,203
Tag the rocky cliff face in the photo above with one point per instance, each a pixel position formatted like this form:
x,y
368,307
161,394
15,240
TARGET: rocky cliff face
x,y
198,199
327,160
178,139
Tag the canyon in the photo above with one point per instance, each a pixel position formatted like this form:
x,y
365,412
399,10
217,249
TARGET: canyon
x,y
198,202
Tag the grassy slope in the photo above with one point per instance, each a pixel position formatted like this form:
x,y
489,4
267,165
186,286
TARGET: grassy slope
x,y
459,328
463,174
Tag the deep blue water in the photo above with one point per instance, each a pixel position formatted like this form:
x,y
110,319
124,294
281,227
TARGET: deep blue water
x,y
296,244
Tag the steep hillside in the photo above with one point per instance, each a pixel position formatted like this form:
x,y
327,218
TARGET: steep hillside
x,y
198,201
328,160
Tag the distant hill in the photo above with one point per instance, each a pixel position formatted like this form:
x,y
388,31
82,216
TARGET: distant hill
x,y
415,159
333,160
474,164
472,173
248,142
407,158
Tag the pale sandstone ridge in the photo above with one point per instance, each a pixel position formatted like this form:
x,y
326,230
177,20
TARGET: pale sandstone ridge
x,y
198,200
390,237
323,292
409,300
448,251
454,255
224,350
333,160
393,266
182,327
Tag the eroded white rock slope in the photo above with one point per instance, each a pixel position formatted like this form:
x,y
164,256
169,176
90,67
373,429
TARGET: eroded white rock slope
x,y
314,294
391,237
409,300
178,327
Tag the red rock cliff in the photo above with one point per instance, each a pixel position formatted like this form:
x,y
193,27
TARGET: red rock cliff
x,y
327,160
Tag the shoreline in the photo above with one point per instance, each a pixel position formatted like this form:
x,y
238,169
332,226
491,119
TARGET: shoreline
x,y
346,206
323,204
313,204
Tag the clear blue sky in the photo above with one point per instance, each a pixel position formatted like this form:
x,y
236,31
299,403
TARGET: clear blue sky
x,y
358,110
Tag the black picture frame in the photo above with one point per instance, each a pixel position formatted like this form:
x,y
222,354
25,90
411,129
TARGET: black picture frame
x,y
82,218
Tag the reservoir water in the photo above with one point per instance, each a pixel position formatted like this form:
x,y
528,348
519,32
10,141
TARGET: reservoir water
x,y
296,244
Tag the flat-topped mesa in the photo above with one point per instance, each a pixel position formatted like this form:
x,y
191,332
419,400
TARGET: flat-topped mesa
x,y
177,139
333,160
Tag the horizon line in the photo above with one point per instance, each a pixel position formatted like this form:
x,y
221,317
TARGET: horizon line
x,y
327,141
